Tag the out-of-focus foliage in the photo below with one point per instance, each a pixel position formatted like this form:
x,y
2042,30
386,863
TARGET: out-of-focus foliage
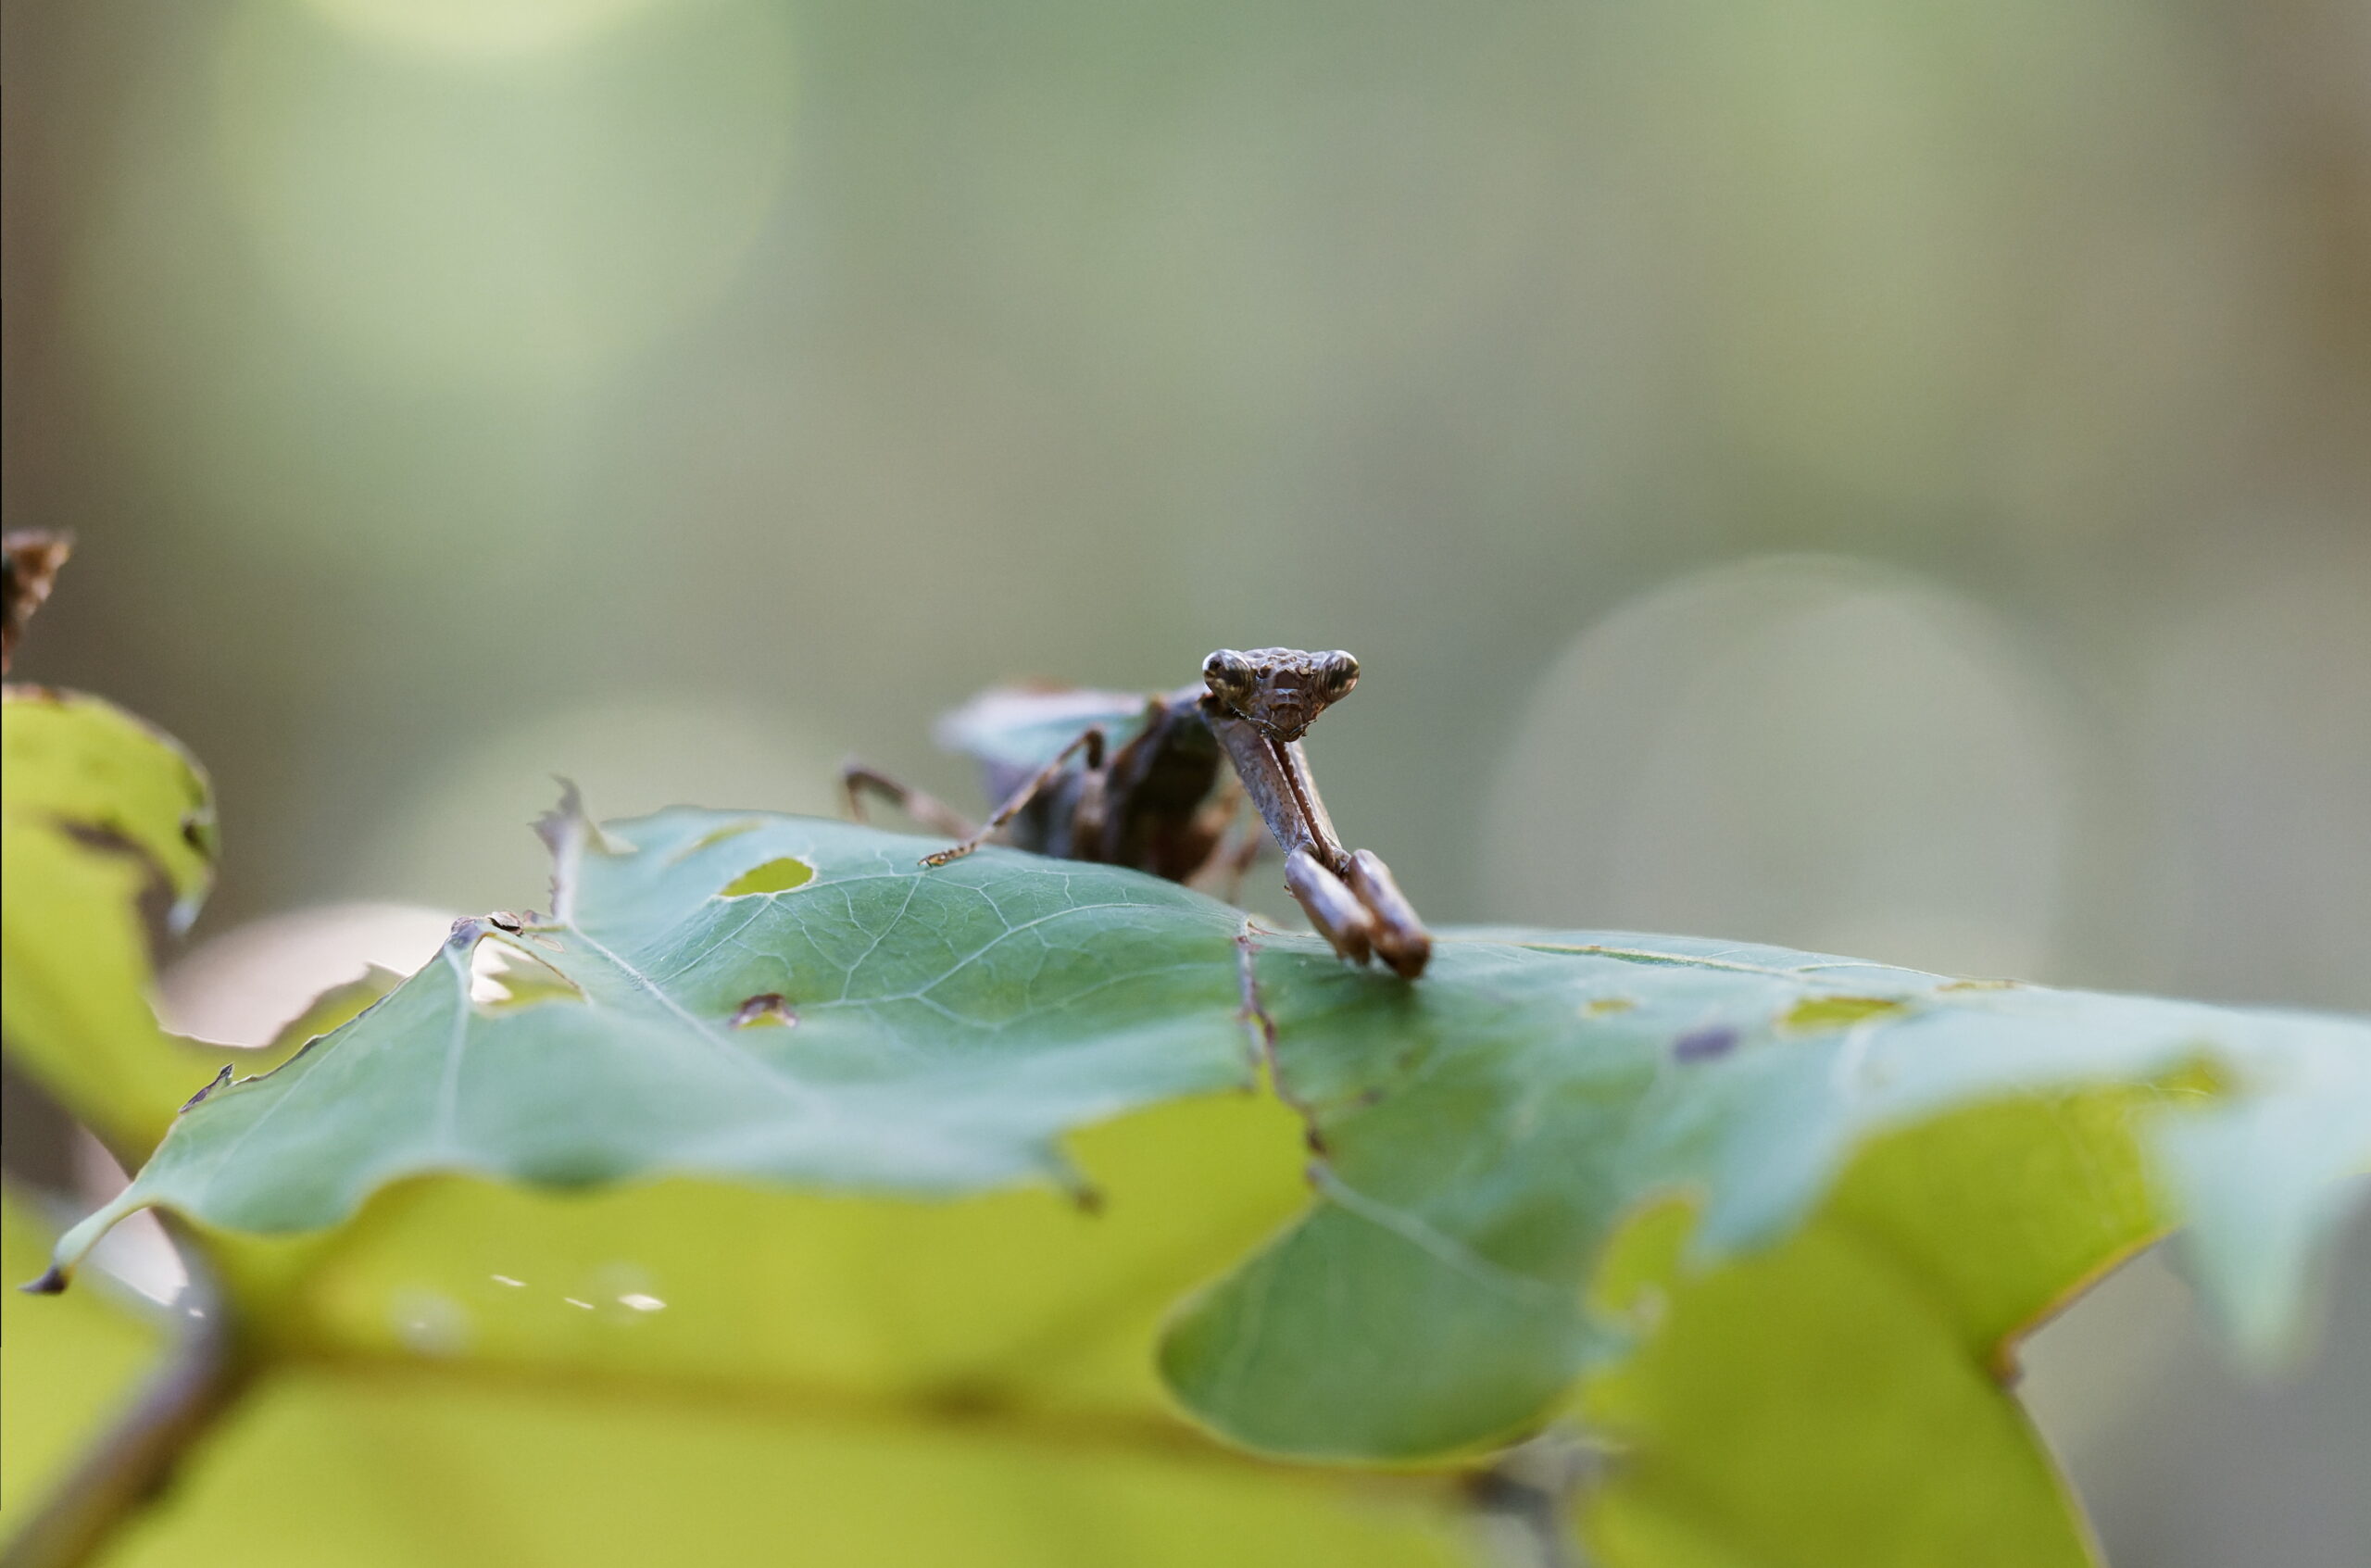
x,y
62,1373
798,1002
701,1370
1768,1390
398,1473
109,831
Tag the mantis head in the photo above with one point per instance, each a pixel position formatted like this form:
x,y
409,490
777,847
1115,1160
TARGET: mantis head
x,y
1281,691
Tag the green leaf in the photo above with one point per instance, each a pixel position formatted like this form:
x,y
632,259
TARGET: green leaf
x,y
949,1029
110,843
1002,1301
777,1001
65,1369
340,1466
421,1411
1488,1129
1773,1396
87,768
745,1366
1807,1406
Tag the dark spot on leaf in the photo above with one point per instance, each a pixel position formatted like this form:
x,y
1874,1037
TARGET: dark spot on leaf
x,y
1837,1012
98,836
219,1080
966,1401
1704,1045
1088,1199
766,1009
154,903
52,1282
776,876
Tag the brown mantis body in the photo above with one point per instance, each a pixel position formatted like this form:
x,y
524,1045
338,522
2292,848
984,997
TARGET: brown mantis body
x,y
1131,785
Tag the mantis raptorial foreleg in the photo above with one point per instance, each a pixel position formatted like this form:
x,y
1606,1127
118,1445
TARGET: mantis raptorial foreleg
x,y
1331,906
1399,935
1351,899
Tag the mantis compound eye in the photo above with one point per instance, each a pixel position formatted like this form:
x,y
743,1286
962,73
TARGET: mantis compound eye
x,y
1228,674
1341,674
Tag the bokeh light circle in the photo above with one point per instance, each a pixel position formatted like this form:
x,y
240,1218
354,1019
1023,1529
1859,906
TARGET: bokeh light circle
x,y
1812,751
520,216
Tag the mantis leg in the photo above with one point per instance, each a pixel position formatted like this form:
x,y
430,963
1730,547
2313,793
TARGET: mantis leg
x,y
1399,936
1090,741
1333,907
855,779
1350,898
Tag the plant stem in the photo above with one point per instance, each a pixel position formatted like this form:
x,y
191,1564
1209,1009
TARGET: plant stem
x,y
134,1462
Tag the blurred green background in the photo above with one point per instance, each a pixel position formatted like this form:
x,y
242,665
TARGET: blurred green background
x,y
1887,478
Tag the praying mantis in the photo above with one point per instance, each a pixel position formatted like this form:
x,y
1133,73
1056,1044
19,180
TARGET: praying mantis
x,y
1137,782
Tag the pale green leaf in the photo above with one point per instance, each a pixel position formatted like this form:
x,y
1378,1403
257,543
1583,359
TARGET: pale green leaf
x,y
1775,1397
110,843
1486,1129
66,1369
349,1467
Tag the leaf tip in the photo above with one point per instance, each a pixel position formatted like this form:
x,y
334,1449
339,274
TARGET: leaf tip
x,y
211,1084
50,1283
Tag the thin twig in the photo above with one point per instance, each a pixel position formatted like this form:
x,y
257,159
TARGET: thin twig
x,y
204,1376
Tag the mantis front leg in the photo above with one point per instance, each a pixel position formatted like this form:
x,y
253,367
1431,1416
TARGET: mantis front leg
x,y
1351,899
1330,904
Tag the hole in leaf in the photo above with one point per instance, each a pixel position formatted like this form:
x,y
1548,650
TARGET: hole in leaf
x,y
504,979
765,1011
774,876
1837,1012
